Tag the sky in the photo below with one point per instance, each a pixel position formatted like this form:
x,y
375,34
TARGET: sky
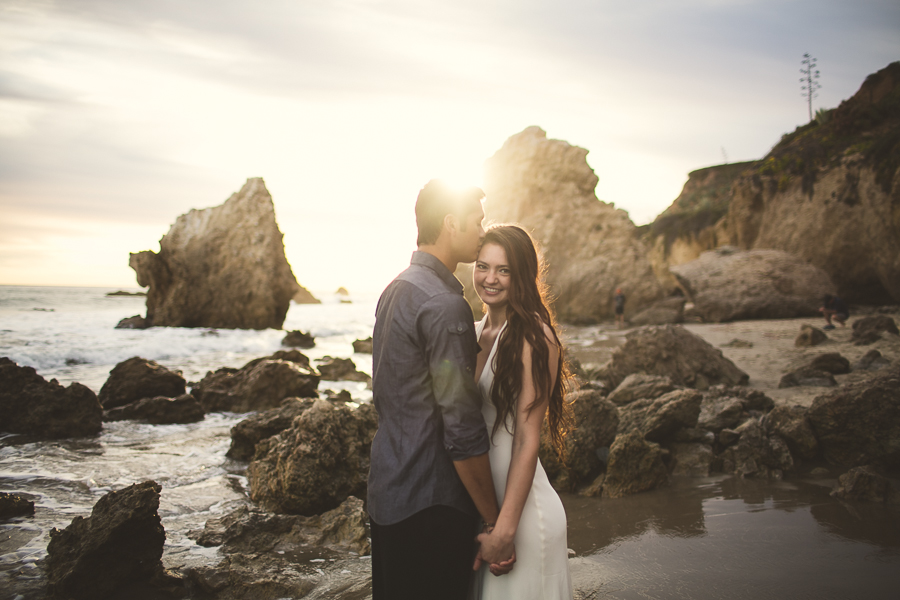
x,y
117,116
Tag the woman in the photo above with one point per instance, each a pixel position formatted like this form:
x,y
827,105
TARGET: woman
x,y
522,377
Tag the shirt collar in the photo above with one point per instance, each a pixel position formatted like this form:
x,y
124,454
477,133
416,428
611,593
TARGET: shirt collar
x,y
430,261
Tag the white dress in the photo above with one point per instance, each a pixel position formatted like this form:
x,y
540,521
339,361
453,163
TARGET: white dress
x,y
541,571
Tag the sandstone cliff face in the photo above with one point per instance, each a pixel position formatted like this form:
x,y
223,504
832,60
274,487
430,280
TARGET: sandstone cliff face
x,y
590,247
220,267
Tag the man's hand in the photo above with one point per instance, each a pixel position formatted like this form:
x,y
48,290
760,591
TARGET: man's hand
x,y
500,554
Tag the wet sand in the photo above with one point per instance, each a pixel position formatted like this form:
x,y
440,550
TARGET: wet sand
x,y
726,537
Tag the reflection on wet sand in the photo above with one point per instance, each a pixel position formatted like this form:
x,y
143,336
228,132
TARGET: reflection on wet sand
x,y
727,537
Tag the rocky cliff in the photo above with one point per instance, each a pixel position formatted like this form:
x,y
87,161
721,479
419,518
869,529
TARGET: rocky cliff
x,y
590,246
220,267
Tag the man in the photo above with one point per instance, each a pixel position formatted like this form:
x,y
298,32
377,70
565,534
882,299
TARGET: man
x,y
834,308
619,302
430,476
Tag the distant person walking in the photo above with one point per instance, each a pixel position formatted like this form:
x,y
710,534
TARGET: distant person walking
x,y
619,302
834,308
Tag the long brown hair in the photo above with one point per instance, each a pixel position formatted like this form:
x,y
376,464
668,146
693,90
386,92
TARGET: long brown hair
x,y
527,312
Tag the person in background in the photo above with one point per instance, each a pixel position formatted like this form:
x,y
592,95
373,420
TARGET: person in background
x,y
834,308
619,303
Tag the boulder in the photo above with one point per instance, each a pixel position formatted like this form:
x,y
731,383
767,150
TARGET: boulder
x,y
135,322
664,312
692,459
827,194
635,465
299,339
727,284
807,376
220,267
809,336
590,247
673,351
258,385
138,378
250,530
639,386
832,362
791,424
587,446
659,419
318,462
340,369
865,484
738,343
255,428
30,404
756,454
158,411
859,422
720,412
871,361
868,330
117,548
14,505
363,346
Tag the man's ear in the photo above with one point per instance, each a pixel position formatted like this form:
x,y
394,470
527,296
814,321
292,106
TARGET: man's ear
x,y
451,224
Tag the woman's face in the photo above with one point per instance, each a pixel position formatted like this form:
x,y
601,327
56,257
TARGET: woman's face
x,y
492,275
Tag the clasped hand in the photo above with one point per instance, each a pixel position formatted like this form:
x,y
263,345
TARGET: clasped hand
x,y
499,554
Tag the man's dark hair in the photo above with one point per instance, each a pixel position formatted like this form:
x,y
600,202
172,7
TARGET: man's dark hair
x,y
437,200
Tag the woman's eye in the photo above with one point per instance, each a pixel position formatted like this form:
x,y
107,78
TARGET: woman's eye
x,y
504,271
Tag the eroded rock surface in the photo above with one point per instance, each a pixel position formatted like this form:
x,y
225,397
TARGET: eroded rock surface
x,y
809,336
261,384
866,484
727,285
635,465
14,505
220,267
30,404
138,378
249,432
159,410
659,419
640,386
340,369
868,330
590,246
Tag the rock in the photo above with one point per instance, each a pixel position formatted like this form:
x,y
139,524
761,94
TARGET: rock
x,y
299,339
640,386
635,465
590,247
138,378
871,361
596,420
220,267
694,435
14,505
727,437
727,284
664,312
304,296
363,346
249,530
832,362
807,376
756,454
865,484
258,385
859,422
255,428
810,195
117,548
868,330
340,369
124,293
30,404
135,322
659,419
738,343
809,336
791,424
720,412
692,460
294,356
318,462
158,411
673,351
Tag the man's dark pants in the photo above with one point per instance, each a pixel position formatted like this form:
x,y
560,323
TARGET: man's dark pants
x,y
426,556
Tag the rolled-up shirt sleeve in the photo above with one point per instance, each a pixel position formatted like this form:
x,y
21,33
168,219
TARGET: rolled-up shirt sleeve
x,y
446,325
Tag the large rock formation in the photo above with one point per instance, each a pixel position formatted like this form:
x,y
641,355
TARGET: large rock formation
x,y
30,404
828,193
591,248
730,285
137,378
220,267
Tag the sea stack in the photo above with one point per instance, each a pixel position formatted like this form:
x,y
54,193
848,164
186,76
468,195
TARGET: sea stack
x,y
591,247
220,267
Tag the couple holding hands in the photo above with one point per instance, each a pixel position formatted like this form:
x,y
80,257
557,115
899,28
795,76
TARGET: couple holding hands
x,y
455,486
